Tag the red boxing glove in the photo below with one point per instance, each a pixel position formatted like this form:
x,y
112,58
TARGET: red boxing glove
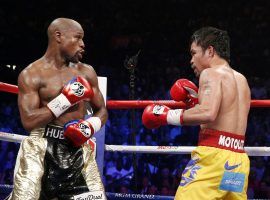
x,y
155,116
74,91
79,131
186,91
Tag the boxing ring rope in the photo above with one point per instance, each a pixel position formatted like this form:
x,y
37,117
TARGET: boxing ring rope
x,y
5,87
251,151
129,104
136,104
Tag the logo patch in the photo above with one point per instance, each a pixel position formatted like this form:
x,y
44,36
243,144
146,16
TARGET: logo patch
x,y
231,142
91,196
190,172
56,103
232,181
231,167
77,88
158,109
86,131
192,92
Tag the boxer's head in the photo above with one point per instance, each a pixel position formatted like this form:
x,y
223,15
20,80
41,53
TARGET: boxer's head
x,y
206,43
67,36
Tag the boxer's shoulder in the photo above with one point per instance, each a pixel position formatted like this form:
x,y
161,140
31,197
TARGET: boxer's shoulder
x,y
34,68
239,76
206,74
86,71
83,68
37,74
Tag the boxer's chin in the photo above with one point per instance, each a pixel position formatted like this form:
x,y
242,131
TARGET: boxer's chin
x,y
75,59
197,74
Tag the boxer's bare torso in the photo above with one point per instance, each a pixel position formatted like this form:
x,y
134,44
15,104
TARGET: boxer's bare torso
x,y
41,82
232,94
224,95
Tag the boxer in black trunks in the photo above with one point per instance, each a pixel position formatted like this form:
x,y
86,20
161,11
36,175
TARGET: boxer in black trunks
x,y
56,161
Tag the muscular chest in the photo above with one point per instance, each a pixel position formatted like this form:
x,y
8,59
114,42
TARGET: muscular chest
x,y
54,80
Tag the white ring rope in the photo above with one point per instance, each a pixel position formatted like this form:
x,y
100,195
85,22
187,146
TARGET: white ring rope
x,y
251,151
150,149
11,137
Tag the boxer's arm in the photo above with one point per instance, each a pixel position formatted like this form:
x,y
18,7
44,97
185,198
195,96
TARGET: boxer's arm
x,y
97,102
29,101
209,100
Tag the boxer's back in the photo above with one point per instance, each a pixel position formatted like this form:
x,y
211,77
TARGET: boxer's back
x,y
235,102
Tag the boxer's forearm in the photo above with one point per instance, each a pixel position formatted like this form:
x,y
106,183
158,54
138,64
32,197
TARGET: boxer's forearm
x,y
199,115
36,118
102,113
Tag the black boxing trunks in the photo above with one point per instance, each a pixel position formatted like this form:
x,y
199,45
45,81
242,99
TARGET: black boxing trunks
x,y
49,167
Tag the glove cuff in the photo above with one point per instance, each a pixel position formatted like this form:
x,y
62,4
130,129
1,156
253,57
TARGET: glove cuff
x,y
175,117
59,105
95,122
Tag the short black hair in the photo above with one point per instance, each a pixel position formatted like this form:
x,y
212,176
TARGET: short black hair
x,y
211,36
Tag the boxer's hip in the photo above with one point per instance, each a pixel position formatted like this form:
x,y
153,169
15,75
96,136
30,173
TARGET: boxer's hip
x,y
218,167
49,166
221,140
49,131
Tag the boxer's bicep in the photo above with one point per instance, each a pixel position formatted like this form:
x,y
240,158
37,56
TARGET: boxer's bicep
x,y
97,101
210,94
28,97
32,115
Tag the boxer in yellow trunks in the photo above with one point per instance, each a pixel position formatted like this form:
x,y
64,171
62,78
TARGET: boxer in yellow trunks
x,y
219,166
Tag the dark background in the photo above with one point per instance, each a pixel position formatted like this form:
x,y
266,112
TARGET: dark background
x,y
114,29
160,29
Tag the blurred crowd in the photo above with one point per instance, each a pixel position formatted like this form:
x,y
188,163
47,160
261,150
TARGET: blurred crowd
x,y
162,37
150,173
160,174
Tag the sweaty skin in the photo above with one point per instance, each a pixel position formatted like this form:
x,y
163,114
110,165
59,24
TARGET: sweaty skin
x,y
219,161
48,166
44,79
224,94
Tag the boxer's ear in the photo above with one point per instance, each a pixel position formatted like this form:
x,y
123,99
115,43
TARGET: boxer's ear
x,y
57,35
210,51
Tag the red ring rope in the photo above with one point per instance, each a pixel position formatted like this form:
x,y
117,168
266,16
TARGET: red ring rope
x,y
128,104
5,87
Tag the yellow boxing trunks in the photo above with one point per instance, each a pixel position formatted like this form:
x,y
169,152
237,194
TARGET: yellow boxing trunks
x,y
218,169
49,167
